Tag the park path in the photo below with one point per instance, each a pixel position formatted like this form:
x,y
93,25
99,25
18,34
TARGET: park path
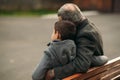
x,y
23,39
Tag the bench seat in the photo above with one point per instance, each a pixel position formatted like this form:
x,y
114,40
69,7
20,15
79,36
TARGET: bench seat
x,y
109,71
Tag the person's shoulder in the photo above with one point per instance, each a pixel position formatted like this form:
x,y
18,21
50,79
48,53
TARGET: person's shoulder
x,y
88,26
68,44
62,44
69,41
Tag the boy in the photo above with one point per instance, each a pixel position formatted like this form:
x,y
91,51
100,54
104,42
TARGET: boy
x,y
60,51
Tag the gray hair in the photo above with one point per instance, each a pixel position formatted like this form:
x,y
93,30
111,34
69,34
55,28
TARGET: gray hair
x,y
71,12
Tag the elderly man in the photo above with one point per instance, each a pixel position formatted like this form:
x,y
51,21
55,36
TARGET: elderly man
x,y
88,41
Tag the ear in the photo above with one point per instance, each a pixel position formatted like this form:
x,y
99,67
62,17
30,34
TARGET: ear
x,y
59,18
58,35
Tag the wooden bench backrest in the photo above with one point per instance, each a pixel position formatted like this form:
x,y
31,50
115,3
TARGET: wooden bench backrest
x,y
109,71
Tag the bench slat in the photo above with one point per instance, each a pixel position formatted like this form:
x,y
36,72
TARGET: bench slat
x,y
116,77
98,72
107,75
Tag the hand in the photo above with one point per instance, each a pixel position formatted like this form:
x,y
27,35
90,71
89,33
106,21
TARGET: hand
x,y
50,75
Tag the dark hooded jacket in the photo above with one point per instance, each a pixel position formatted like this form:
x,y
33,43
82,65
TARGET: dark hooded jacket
x,y
89,43
58,53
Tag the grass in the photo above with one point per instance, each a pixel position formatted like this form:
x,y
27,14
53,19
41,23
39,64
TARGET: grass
x,y
26,13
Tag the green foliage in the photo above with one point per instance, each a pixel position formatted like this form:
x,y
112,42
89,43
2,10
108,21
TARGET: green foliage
x,y
26,13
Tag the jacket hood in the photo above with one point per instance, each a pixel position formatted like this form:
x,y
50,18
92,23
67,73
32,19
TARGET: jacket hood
x,y
64,50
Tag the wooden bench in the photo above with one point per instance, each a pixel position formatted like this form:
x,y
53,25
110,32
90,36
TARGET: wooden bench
x,y
109,71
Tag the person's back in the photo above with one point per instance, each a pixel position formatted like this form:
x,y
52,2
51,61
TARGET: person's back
x,y
60,51
88,30
89,43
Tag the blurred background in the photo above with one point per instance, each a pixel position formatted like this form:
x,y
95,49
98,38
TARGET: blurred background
x,y
100,5
26,27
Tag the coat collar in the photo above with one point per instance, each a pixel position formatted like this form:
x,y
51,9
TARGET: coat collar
x,y
52,42
80,25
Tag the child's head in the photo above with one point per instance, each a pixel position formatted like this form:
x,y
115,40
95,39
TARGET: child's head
x,y
64,30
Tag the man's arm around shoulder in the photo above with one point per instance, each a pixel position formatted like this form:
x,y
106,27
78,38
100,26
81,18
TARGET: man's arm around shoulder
x,y
80,64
